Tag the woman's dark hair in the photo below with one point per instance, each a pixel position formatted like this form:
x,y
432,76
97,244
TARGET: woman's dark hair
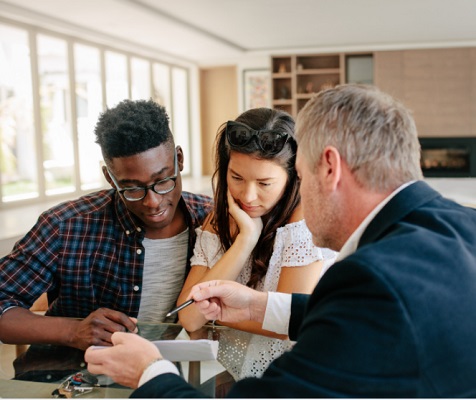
x,y
132,127
257,119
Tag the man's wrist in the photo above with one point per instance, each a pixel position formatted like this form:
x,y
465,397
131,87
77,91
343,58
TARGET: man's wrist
x,y
71,327
258,311
151,363
157,367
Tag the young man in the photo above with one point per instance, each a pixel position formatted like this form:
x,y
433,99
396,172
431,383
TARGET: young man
x,y
110,256
394,316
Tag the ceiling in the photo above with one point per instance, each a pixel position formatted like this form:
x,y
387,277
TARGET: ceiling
x,y
211,32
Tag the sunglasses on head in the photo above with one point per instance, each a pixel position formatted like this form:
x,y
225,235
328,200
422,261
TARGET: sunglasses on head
x,y
240,135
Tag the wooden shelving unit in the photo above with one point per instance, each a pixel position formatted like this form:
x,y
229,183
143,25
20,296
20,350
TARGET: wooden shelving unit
x,y
295,78
283,83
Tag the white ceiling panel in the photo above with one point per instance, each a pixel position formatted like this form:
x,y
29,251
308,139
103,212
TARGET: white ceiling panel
x,y
204,31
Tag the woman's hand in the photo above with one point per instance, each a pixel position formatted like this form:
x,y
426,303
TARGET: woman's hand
x,y
249,227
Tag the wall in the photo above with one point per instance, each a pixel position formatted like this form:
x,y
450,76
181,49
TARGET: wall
x,y
218,103
438,85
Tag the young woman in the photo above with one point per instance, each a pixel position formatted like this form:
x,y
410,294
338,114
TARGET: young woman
x,y
256,234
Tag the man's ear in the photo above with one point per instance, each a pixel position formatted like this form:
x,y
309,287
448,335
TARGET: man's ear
x,y
180,158
331,167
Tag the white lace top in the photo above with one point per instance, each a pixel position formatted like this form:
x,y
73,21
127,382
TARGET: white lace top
x,y
241,353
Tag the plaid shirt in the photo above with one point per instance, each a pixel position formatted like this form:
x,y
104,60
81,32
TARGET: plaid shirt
x,y
86,253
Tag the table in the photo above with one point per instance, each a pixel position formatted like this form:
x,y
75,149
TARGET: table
x,y
40,370
14,389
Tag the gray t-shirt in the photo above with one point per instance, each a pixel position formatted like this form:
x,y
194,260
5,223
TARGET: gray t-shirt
x,y
164,273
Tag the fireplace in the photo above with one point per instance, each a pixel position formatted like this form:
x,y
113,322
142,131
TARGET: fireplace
x,y
448,157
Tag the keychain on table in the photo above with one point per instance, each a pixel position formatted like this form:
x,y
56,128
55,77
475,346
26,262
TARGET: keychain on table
x,y
75,385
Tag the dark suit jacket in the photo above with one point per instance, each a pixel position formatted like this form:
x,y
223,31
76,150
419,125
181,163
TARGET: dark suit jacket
x,y
397,318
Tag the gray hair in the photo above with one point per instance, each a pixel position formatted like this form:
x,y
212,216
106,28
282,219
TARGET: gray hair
x,y
374,133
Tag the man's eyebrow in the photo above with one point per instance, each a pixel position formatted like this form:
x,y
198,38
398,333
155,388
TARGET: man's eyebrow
x,y
156,176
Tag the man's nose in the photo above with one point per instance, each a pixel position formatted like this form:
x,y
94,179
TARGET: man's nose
x,y
152,199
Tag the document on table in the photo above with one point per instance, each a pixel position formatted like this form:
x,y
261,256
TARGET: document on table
x,y
188,350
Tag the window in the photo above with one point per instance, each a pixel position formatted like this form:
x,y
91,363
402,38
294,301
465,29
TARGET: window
x,y
52,91
117,88
180,120
140,74
161,85
18,161
89,104
55,115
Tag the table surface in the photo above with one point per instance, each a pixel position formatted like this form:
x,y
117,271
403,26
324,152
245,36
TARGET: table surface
x,y
42,368
14,389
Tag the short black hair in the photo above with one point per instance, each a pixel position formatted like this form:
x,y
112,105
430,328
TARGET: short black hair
x,y
132,127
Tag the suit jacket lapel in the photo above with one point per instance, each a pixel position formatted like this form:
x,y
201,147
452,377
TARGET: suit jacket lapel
x,y
397,208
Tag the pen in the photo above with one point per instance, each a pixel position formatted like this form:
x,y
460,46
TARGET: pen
x,y
177,309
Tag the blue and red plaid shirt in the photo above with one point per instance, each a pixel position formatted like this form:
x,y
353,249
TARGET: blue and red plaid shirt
x,y
86,253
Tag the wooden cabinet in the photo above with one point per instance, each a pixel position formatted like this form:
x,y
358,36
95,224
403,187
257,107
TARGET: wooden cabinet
x,y
315,73
282,86
295,78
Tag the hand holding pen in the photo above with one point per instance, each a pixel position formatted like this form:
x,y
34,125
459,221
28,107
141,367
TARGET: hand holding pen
x,y
180,307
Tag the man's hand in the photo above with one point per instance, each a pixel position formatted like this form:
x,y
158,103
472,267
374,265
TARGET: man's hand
x,y
229,301
125,361
97,328
20,326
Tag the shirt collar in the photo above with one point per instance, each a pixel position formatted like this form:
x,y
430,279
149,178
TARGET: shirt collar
x,y
128,221
353,241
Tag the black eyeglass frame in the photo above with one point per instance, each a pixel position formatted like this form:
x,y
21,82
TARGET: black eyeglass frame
x,y
255,134
149,187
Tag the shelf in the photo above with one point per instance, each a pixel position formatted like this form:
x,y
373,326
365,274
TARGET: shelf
x,y
296,78
305,95
282,101
316,83
318,71
285,107
282,75
318,61
281,65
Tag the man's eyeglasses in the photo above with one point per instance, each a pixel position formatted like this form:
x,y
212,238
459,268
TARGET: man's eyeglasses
x,y
239,135
161,187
